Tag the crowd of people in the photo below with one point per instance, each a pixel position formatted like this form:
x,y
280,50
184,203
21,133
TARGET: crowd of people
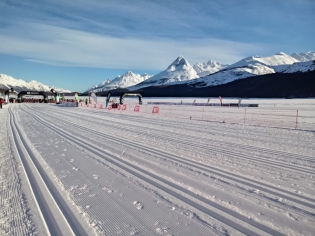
x,y
34,100
38,100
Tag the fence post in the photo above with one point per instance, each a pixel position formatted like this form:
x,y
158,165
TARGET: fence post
x,y
244,116
202,113
296,119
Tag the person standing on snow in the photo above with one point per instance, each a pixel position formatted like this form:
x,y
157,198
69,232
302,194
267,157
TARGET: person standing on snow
x,y
86,101
1,101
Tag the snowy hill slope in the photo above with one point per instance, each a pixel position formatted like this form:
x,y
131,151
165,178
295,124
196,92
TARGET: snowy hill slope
x,y
211,73
230,74
274,85
301,67
256,65
218,74
18,85
279,62
303,57
123,81
180,70
207,68
127,80
104,82
99,87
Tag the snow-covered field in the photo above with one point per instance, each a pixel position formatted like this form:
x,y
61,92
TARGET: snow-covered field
x,y
84,171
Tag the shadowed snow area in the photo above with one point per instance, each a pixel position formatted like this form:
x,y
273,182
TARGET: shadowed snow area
x,y
116,173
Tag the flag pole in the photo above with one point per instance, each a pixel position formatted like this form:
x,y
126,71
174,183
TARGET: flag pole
x,y
89,97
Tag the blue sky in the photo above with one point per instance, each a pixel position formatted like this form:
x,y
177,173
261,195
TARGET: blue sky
x,y
76,44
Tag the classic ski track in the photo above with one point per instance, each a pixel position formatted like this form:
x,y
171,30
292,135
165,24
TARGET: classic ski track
x,y
193,128
297,209
168,136
134,170
203,167
262,134
188,162
185,139
134,117
44,206
265,198
88,201
301,125
27,172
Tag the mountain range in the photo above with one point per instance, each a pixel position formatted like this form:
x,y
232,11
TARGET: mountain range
x,y
201,75
7,82
213,73
275,85
121,81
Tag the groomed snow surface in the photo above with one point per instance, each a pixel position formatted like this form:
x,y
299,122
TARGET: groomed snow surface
x,y
84,171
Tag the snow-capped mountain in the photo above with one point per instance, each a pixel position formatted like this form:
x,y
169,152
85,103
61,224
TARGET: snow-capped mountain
x,y
211,73
279,62
99,87
255,65
303,57
103,83
301,67
230,74
121,81
7,82
207,68
127,80
180,70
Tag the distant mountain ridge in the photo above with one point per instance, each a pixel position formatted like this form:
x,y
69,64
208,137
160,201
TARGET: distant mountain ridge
x,y
7,82
304,57
278,62
301,67
123,81
178,71
207,68
210,73
254,66
213,73
228,75
275,85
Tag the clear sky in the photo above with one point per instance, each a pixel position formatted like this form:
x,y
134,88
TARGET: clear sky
x,y
74,44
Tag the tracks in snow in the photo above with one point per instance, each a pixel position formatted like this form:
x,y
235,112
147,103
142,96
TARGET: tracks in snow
x,y
214,129
57,217
219,146
225,215
208,169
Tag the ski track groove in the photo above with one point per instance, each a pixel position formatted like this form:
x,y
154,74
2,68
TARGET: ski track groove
x,y
133,117
235,154
199,166
153,119
217,149
44,208
217,145
12,201
109,225
97,151
225,174
87,146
